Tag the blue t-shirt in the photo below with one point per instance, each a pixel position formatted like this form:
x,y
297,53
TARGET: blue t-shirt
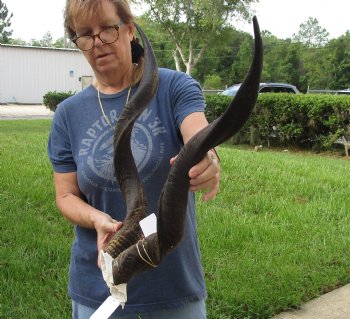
x,y
81,141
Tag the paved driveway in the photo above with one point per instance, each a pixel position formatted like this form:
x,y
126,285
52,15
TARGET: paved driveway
x,y
18,111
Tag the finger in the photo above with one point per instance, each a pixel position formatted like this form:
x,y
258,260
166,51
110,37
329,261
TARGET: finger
x,y
201,166
206,184
99,260
211,194
107,232
111,226
118,225
172,160
212,171
212,191
105,240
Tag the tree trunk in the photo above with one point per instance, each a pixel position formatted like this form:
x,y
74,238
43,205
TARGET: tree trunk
x,y
177,60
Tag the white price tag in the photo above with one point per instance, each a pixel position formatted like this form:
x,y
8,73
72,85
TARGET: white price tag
x,y
117,292
106,309
149,225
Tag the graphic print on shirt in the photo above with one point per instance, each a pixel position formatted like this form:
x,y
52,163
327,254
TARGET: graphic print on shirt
x,y
97,149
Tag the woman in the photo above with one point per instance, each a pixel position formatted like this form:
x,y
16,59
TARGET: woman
x,y
81,151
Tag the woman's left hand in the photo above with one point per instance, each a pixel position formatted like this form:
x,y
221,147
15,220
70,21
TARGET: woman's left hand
x,y
205,175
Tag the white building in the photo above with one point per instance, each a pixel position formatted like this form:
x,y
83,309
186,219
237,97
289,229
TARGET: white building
x,y
28,73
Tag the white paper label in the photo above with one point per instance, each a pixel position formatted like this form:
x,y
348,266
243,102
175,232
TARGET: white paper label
x,y
118,292
106,267
106,309
149,225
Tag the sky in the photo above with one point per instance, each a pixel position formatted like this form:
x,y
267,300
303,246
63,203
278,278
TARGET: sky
x,y
32,19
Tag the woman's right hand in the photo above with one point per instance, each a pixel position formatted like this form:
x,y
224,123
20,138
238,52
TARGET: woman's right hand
x,y
105,227
69,202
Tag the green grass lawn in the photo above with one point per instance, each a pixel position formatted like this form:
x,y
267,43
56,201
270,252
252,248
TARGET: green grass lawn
x,y
278,233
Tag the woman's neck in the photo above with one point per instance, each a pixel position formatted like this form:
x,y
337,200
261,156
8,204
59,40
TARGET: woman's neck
x,y
112,84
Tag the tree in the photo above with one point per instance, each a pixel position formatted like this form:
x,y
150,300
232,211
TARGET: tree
x,y
311,34
5,23
193,24
46,41
17,41
220,55
64,42
292,66
242,62
282,60
59,43
339,52
212,82
159,39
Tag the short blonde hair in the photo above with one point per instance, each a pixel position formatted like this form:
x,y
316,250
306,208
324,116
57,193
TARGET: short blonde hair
x,y
92,8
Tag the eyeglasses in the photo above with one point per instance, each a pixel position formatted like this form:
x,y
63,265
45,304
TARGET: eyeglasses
x,y
108,35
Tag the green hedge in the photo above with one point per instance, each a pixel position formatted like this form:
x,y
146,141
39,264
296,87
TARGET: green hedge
x,y
53,98
311,121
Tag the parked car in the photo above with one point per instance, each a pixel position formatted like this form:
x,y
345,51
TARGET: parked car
x,y
346,91
265,88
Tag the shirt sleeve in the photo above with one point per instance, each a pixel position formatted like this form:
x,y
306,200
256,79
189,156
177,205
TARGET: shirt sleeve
x,y
187,97
59,144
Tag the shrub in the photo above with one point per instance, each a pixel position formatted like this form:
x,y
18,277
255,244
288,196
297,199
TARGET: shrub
x,y
308,121
53,98
212,82
216,104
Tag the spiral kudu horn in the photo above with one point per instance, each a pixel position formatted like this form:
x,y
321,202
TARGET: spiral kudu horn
x,y
124,164
146,253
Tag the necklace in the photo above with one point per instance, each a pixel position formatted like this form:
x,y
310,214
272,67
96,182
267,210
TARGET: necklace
x,y
101,107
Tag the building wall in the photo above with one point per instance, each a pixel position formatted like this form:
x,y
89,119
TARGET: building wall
x,y
28,73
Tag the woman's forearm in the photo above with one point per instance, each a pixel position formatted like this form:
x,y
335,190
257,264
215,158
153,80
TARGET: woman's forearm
x,y
77,211
69,201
